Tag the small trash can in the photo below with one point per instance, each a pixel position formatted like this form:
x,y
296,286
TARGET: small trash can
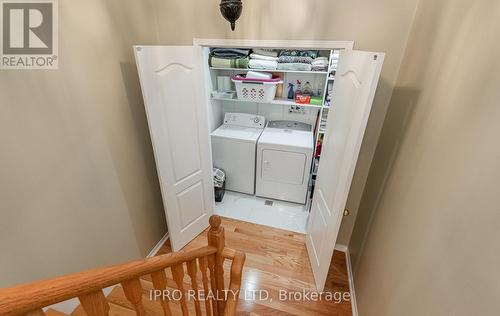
x,y
219,183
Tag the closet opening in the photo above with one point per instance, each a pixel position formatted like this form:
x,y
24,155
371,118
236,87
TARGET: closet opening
x,y
267,116
283,121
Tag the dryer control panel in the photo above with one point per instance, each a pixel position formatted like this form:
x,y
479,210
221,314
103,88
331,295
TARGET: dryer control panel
x,y
245,120
290,125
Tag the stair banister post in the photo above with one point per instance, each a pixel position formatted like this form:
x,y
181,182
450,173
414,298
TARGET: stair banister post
x,y
217,239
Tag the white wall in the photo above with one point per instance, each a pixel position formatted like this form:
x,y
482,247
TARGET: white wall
x,y
78,185
433,244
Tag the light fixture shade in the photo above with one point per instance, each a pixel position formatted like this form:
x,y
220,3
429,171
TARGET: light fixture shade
x,y
231,11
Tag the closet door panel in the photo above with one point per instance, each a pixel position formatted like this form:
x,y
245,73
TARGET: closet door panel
x,y
356,80
174,98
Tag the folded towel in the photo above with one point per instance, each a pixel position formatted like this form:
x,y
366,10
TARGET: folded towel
x,y
228,62
265,52
319,68
319,63
302,53
295,59
259,75
294,66
262,64
263,57
229,52
320,60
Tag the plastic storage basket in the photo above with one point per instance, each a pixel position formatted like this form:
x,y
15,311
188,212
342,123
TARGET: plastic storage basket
x,y
258,90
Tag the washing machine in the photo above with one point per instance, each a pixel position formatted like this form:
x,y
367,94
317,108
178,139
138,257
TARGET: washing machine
x,y
234,149
284,156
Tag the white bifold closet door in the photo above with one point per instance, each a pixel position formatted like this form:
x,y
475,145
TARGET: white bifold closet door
x,y
353,91
174,96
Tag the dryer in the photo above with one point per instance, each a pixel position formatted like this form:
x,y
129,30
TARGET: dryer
x,y
284,156
234,149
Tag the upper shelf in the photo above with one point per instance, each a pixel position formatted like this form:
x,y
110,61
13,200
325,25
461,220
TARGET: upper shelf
x,y
270,70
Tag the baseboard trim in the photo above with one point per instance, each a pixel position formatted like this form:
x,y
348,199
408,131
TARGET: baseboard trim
x,y
341,247
345,249
157,247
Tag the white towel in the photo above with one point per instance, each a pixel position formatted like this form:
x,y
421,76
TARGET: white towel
x,y
265,52
320,64
320,60
259,75
263,57
263,64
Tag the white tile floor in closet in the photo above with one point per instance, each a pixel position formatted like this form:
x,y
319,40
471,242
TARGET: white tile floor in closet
x,y
249,208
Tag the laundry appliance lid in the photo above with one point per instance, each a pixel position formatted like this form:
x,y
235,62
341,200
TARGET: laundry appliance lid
x,y
240,133
287,137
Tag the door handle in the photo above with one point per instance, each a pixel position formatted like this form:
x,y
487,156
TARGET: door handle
x,y
346,212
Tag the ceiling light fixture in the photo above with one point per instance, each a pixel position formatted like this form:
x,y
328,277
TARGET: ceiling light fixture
x,y
231,11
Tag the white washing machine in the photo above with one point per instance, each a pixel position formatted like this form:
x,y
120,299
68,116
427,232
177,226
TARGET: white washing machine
x,y
234,147
284,155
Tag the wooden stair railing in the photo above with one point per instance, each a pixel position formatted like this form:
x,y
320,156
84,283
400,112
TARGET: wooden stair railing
x,y
29,299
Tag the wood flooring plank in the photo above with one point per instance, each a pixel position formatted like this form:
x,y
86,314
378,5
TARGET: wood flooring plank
x,y
277,260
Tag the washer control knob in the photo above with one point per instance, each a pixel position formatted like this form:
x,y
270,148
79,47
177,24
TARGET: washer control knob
x,y
256,119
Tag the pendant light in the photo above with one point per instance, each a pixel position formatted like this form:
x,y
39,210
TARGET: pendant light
x,y
231,11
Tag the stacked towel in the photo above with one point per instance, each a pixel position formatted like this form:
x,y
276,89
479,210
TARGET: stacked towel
x,y
320,64
302,53
229,52
228,58
265,52
297,60
263,59
335,59
219,62
263,64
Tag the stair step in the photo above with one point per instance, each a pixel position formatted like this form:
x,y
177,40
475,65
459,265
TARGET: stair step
x,y
152,307
78,311
53,312
117,310
119,305
114,310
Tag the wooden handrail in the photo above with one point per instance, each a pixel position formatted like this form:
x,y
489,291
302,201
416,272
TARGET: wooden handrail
x,y
88,285
27,297
228,253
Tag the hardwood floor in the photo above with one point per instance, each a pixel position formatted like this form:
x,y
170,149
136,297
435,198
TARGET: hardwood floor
x,y
275,260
